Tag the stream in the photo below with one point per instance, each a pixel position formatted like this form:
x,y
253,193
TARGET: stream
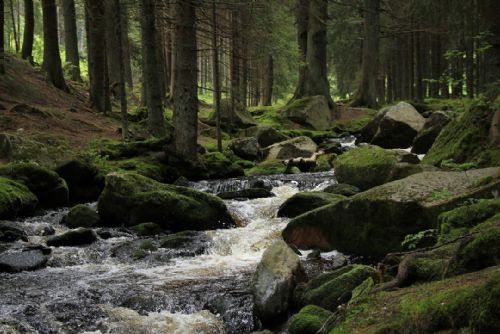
x,y
89,290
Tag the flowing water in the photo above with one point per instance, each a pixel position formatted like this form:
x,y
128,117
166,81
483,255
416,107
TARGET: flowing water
x,y
89,290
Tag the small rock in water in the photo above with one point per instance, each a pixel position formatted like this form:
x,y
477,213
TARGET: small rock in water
x,y
10,232
77,237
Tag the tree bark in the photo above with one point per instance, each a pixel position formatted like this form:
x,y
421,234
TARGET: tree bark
x,y
216,77
366,95
126,46
71,39
185,92
96,38
154,100
29,30
314,80
121,60
51,55
112,46
267,83
14,30
2,51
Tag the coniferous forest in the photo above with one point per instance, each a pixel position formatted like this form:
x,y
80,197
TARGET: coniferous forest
x,y
249,166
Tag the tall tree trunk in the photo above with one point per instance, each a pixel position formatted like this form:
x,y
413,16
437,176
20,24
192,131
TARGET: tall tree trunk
x,y
29,30
126,45
96,37
154,100
14,29
112,45
51,55
419,67
314,80
366,95
185,92
302,13
268,81
71,38
216,77
235,62
121,60
2,51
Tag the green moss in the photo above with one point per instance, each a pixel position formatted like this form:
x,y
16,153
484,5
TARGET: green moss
x,y
483,251
309,320
148,166
15,199
81,216
218,165
147,245
324,162
268,167
118,149
178,240
146,229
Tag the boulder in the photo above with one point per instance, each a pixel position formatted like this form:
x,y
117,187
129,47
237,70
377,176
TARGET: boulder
x,y
23,260
376,221
50,189
77,237
299,147
432,128
311,112
10,232
332,148
131,199
393,127
306,201
342,189
250,193
368,166
275,278
15,199
186,243
329,290
309,320
146,229
240,118
267,136
263,184
83,179
247,148
81,216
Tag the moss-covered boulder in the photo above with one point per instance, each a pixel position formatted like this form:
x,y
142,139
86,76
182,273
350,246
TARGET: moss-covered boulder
x,y
77,237
15,199
186,243
233,117
268,167
368,166
311,112
146,229
309,320
81,216
50,189
342,189
432,128
217,166
299,147
306,201
275,278
376,221
84,181
131,199
332,289
466,139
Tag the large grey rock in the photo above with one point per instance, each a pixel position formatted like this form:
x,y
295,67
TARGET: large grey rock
x,y
376,221
267,136
77,237
9,232
299,147
131,199
81,216
275,278
306,201
432,128
23,260
246,148
311,112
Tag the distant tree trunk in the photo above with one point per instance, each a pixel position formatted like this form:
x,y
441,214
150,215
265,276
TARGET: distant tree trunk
x,y
492,55
314,80
51,55
2,51
419,67
126,46
267,83
302,13
14,30
235,61
366,95
96,38
29,30
185,92
121,60
71,38
112,46
216,77
154,100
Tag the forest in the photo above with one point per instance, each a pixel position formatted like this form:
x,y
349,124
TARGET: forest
x,y
249,166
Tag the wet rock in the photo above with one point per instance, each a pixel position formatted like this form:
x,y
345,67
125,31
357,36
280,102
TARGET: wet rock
x,y
432,128
23,260
376,221
264,184
81,216
77,237
146,229
50,189
312,112
299,147
306,201
332,289
275,278
267,136
83,179
186,243
342,189
132,199
10,232
332,148
135,249
309,320
250,193
15,199
246,148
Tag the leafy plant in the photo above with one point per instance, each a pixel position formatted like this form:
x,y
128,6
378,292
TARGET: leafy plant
x,y
422,238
